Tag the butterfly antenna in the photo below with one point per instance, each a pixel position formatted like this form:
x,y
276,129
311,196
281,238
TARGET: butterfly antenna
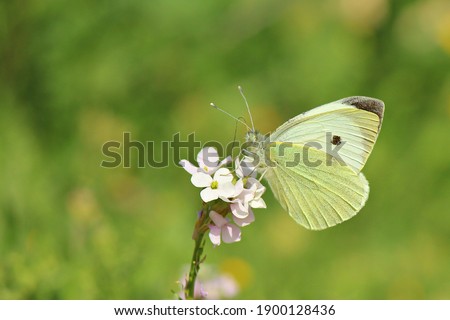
x,y
234,139
248,108
228,114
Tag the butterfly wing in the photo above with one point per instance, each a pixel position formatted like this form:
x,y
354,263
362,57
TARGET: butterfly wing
x,y
318,196
321,186
349,127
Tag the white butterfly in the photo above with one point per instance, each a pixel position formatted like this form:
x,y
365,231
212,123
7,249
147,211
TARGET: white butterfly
x,y
313,162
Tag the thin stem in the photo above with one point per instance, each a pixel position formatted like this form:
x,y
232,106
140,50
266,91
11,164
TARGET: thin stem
x,y
201,226
195,266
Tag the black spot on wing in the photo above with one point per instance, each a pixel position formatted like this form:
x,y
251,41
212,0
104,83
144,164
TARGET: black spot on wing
x,y
336,140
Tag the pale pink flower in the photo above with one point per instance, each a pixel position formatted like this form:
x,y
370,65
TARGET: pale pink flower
x,y
257,190
248,197
238,188
212,284
239,204
223,286
208,162
244,168
242,222
223,230
221,185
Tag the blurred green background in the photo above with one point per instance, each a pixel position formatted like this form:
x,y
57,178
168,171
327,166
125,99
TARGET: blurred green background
x,y
75,74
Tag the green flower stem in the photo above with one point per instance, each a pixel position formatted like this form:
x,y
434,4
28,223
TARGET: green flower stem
x,y
195,266
201,227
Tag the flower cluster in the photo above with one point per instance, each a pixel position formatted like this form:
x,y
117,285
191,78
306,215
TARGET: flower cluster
x,y
226,191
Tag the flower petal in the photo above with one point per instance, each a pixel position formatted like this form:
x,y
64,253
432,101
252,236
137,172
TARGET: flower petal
x,y
238,188
238,169
209,194
243,196
259,191
242,222
214,234
226,190
223,175
258,203
252,163
239,210
189,167
208,157
245,168
218,219
255,185
201,180
246,196
231,233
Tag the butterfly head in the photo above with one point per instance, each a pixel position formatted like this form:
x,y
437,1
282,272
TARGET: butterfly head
x,y
254,141
254,136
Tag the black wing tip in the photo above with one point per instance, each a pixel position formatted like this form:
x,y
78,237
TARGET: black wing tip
x,y
366,103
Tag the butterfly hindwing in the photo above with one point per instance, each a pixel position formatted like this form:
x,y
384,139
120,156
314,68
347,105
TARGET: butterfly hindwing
x,y
318,196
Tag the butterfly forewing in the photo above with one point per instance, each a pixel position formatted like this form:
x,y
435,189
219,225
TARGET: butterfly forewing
x,y
356,128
